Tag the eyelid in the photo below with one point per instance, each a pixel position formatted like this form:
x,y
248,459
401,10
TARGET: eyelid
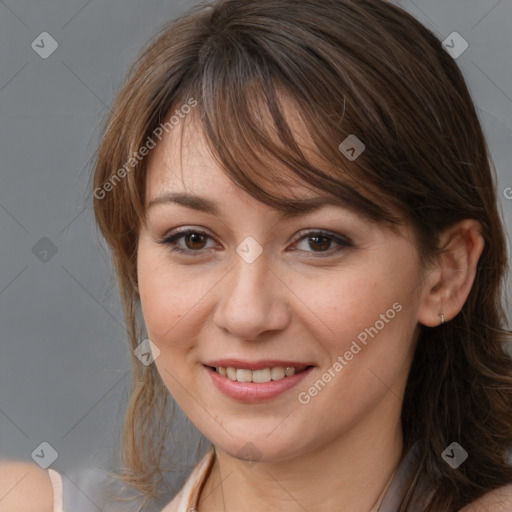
x,y
185,230
317,231
179,233
341,241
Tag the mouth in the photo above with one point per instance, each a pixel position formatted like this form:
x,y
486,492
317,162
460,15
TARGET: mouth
x,y
254,382
260,376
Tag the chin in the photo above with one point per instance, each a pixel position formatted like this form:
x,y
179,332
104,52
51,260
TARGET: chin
x,y
261,444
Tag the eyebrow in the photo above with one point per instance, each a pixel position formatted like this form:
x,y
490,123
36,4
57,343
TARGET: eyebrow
x,y
292,208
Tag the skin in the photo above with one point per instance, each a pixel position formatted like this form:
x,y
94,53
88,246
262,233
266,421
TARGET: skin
x,y
291,303
342,448
24,486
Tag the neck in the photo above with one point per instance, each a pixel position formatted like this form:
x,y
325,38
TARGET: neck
x,y
354,470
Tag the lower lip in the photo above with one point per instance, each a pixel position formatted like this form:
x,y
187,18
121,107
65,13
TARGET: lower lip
x,y
251,392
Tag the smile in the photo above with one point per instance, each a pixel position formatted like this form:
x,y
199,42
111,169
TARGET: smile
x,y
258,376
263,382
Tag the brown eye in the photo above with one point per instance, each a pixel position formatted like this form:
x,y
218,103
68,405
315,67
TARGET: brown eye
x,y
322,243
319,243
195,241
189,241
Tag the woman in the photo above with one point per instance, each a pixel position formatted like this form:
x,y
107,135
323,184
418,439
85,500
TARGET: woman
x,y
299,201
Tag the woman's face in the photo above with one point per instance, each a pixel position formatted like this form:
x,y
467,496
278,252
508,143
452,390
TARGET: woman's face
x,y
328,293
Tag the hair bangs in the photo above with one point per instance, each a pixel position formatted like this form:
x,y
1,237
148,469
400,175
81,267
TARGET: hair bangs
x,y
260,131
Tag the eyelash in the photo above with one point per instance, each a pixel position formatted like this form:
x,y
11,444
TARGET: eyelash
x,y
343,242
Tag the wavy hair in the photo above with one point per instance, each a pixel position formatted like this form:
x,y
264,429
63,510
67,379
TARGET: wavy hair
x,y
361,67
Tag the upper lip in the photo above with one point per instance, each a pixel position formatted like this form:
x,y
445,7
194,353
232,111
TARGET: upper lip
x,y
255,365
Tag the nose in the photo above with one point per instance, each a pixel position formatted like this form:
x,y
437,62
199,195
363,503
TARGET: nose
x,y
252,301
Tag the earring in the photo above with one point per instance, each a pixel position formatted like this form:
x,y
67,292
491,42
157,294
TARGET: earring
x,y
442,318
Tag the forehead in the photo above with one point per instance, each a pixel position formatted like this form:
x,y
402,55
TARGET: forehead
x,y
263,160
184,161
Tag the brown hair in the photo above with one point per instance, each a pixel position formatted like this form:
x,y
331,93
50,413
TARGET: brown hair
x,y
360,67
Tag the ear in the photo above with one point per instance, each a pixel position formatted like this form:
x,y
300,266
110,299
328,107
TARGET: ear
x,y
448,283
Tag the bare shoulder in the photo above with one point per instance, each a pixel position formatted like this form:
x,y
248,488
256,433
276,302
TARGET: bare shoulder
x,y
24,486
499,500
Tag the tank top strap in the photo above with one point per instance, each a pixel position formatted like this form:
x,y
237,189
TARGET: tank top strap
x,y
56,481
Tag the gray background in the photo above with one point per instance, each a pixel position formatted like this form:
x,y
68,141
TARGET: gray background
x,y
64,365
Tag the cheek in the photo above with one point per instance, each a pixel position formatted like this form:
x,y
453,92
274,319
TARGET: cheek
x,y
171,303
164,304
366,359
365,314
172,297
164,297
357,297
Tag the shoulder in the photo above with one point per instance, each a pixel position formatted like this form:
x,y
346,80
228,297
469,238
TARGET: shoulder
x,y
24,486
499,500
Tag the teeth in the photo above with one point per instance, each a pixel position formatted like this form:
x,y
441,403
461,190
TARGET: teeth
x,y
290,370
244,375
259,376
277,373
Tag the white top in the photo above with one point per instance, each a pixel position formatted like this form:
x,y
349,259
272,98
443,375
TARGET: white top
x,y
57,490
65,498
